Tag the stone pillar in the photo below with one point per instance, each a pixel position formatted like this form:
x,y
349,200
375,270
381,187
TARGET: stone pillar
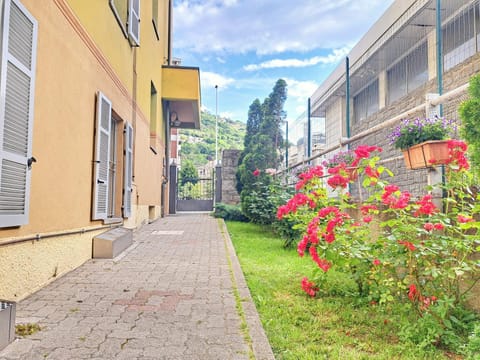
x,y
218,184
229,180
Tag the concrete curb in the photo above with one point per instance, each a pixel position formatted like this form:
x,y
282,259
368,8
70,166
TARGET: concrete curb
x,y
261,347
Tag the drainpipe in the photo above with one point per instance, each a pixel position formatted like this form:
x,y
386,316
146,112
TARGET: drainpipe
x,y
347,96
439,53
309,130
169,39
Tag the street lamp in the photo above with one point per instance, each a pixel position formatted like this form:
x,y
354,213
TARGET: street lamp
x,y
216,124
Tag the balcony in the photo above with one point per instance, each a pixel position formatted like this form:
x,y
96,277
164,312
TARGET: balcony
x,y
181,96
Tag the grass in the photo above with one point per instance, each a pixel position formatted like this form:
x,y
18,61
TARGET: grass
x,y
298,327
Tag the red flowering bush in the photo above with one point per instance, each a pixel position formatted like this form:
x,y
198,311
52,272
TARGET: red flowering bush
x,y
399,248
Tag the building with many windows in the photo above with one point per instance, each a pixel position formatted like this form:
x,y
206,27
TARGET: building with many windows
x,y
89,96
417,51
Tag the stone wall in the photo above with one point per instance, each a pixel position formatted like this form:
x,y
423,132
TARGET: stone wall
x,y
414,180
229,181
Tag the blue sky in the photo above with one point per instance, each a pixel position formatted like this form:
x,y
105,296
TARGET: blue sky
x,y
245,46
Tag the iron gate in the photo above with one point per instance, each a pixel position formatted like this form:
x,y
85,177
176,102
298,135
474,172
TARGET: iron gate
x,y
195,194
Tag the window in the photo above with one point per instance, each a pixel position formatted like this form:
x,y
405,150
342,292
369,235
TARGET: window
x,y
17,83
108,175
127,13
155,18
459,39
134,21
365,103
408,74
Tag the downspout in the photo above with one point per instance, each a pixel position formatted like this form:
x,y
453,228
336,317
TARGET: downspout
x,y
169,39
438,29
347,98
439,53
309,130
347,105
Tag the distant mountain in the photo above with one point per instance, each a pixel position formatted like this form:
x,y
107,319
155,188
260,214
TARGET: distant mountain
x,y
199,145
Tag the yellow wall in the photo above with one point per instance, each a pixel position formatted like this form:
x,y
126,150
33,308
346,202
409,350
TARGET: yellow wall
x,y
81,50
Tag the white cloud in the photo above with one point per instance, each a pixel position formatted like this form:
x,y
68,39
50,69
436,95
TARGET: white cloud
x,y
332,58
210,79
271,26
300,90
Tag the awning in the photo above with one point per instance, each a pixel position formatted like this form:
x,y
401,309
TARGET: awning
x,y
181,95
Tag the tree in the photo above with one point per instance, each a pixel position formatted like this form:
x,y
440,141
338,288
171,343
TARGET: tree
x,y
188,173
253,123
262,142
470,130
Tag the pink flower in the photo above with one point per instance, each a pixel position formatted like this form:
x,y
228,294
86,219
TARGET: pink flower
x,y
309,287
464,219
256,172
428,226
367,219
376,262
427,207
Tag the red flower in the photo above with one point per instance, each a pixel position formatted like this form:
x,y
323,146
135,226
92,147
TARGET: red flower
x,y
456,154
413,292
427,207
428,226
410,246
371,172
376,262
367,219
464,219
309,287
324,265
256,172
302,246
307,176
338,181
438,226
365,209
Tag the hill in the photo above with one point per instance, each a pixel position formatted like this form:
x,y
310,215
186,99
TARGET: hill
x,y
199,145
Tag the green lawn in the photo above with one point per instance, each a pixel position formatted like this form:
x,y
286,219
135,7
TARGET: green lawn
x,y
299,327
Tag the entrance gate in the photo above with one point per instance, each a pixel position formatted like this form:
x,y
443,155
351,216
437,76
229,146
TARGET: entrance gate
x,y
195,194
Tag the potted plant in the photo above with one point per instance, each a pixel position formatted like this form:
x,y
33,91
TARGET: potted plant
x,y
423,141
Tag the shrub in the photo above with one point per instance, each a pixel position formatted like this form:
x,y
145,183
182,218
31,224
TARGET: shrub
x,y
419,255
229,212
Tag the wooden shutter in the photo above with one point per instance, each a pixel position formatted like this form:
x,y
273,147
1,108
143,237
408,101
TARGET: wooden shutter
x,y
128,171
17,86
102,156
134,21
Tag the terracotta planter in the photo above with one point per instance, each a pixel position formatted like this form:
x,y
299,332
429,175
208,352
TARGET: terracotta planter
x,y
426,154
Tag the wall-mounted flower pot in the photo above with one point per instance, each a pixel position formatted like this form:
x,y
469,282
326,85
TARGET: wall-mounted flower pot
x,y
427,154
7,322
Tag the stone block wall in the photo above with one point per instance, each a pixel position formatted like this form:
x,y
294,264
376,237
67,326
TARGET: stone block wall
x,y
229,182
414,180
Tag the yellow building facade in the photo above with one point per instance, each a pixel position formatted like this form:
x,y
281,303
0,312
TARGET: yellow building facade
x,y
87,99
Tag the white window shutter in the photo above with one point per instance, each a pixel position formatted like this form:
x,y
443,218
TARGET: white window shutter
x,y
102,157
17,89
128,171
134,21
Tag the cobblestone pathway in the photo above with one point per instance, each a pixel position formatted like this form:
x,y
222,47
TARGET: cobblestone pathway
x,y
169,296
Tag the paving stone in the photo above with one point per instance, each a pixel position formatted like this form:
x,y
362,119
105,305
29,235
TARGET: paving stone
x,y
166,297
